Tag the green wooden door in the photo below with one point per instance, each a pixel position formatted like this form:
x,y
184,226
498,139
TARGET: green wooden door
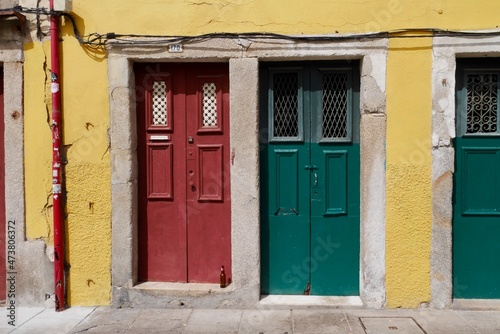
x,y
310,178
476,211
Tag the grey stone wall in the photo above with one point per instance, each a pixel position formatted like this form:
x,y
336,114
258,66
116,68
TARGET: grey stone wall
x,y
8,3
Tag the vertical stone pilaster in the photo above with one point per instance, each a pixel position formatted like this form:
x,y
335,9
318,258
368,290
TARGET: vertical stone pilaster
x,y
123,142
372,146
245,205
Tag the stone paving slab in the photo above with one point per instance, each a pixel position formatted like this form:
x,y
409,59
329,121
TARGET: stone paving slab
x,y
320,321
108,320
312,321
213,321
21,315
441,322
385,325
56,322
485,322
155,321
269,321
33,320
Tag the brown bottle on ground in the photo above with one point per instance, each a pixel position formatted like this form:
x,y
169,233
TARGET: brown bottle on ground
x,y
222,277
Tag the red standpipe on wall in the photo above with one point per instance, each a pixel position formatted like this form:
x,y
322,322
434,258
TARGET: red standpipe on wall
x,y
56,126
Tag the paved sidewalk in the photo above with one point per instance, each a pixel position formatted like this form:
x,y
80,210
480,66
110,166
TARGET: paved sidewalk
x,y
359,321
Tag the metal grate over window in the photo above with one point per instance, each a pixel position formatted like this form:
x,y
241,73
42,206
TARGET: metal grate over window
x,y
482,106
159,103
335,102
209,105
286,105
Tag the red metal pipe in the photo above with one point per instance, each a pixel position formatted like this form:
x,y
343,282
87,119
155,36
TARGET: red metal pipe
x,y
57,210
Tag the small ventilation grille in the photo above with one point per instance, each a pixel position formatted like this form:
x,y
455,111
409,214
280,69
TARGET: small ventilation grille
x,y
482,106
286,105
335,104
209,105
159,103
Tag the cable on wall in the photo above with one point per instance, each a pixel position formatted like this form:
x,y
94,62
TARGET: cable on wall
x,y
98,40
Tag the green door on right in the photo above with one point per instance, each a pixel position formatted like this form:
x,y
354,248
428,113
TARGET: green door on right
x,y
476,203
310,178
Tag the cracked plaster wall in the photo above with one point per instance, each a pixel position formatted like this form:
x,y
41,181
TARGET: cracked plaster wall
x,y
86,169
280,16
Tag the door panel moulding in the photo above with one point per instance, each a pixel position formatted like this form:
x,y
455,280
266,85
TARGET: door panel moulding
x,y
445,52
184,225
244,148
298,175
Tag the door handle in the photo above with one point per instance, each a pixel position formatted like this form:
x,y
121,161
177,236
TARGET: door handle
x,y
284,211
191,184
315,179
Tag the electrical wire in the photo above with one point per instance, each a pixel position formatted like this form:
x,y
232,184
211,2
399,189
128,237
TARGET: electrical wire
x,y
94,39
99,40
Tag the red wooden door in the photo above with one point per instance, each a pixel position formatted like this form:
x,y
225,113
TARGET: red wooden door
x,y
183,154
3,221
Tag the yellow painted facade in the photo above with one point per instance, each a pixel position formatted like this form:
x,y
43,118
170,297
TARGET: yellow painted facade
x,y
408,210
86,118
297,17
38,142
86,145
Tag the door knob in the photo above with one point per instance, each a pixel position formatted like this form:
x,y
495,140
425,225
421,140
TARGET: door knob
x,y
190,139
191,184
315,179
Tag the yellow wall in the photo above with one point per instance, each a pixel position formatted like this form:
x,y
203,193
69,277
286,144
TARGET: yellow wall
x,y
38,138
86,118
283,16
408,208
86,121
85,133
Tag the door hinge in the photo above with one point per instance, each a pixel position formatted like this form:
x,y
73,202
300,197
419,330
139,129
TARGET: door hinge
x,y
307,290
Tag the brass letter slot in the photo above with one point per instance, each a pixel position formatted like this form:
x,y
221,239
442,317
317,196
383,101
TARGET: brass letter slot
x,y
158,137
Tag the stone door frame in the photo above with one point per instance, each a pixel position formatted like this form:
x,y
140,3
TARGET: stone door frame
x,y
446,50
244,58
